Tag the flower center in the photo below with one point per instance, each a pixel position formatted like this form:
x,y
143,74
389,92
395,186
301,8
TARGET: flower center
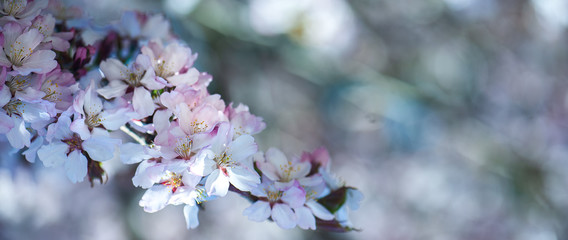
x,y
75,143
13,107
273,196
198,126
287,171
18,83
19,53
13,7
183,147
93,120
50,90
162,69
173,181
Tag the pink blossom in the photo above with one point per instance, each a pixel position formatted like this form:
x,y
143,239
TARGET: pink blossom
x,y
67,148
226,161
21,11
20,51
276,202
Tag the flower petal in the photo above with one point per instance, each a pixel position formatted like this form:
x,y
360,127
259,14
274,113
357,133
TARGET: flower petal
x,y
113,70
142,102
217,184
242,148
305,218
283,215
19,135
242,178
294,196
31,152
42,61
53,154
76,166
132,153
101,148
155,198
319,211
190,214
258,211
113,89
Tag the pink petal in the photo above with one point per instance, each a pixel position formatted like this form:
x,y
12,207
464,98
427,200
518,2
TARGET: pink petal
x,y
294,196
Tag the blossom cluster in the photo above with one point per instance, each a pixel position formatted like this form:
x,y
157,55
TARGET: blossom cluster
x,y
66,86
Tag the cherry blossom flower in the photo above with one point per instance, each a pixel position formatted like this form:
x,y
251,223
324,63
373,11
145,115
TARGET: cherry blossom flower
x,y
172,63
21,11
91,114
67,148
277,167
20,51
225,161
59,41
139,79
175,185
243,122
276,202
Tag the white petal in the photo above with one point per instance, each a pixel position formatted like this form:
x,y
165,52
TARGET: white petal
x,y
113,69
142,102
92,103
155,198
19,135
204,163
113,89
217,184
283,215
258,211
6,123
242,148
147,173
188,78
31,152
319,211
242,178
5,94
114,120
149,80
131,153
101,148
190,214
305,218
53,154
76,166
78,126
40,62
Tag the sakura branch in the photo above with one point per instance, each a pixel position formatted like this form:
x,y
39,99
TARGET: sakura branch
x,y
67,88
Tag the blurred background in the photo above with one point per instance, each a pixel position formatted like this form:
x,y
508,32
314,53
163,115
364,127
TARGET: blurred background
x,y
449,115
